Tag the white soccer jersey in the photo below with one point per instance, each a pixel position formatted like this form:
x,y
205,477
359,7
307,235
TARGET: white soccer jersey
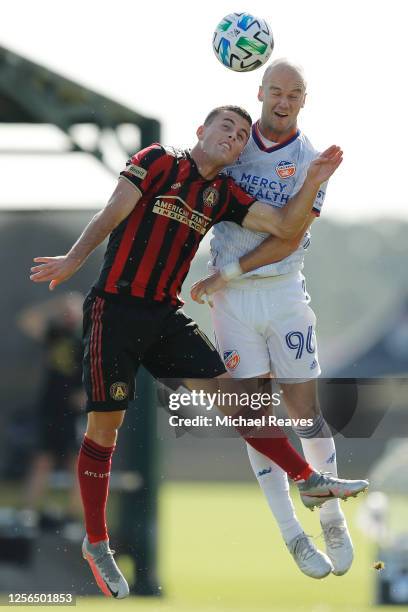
x,y
272,175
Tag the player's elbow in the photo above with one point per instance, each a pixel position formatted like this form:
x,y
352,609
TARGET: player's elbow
x,y
283,230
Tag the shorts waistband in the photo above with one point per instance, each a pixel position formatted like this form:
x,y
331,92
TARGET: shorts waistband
x,y
261,282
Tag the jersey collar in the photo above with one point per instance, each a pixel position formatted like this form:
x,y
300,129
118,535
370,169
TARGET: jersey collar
x,y
259,142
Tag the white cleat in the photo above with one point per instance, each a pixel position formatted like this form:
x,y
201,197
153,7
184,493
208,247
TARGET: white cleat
x,y
107,574
320,487
308,558
339,546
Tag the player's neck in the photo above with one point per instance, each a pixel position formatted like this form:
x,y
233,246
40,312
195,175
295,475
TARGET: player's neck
x,y
207,169
278,137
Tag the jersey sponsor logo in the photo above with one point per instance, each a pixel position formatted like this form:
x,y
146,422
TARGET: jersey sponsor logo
x,y
175,186
231,359
177,209
262,188
210,197
285,169
332,458
119,391
136,171
313,364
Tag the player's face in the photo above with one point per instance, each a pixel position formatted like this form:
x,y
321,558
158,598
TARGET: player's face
x,y
224,138
282,95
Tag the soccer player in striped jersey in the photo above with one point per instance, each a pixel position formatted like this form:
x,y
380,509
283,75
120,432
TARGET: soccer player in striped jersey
x,y
264,318
164,203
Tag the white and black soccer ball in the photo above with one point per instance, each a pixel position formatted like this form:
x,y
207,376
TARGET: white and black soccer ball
x,y
243,42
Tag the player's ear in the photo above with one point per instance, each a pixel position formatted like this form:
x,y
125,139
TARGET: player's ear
x,y
304,100
260,94
200,132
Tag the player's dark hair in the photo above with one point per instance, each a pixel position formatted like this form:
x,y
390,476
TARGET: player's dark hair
x,y
228,107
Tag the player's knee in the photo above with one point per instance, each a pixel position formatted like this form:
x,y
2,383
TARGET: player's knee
x,y
103,426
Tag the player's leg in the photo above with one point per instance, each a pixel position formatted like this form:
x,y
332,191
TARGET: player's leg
x,y
184,353
301,401
108,372
318,445
293,350
235,315
241,343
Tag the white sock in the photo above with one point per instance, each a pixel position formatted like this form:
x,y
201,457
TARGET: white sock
x,y
275,485
321,454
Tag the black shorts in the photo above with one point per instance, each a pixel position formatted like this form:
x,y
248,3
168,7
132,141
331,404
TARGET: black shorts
x,y
119,337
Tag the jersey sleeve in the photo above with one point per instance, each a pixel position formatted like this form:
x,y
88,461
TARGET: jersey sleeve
x,y
239,203
318,203
145,167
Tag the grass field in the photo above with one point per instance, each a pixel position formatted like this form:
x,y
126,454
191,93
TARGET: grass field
x,y
221,551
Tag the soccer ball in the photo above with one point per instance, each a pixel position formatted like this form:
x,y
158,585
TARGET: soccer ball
x,y
243,42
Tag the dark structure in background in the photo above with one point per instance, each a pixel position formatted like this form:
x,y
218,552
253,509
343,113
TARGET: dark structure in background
x,y
32,94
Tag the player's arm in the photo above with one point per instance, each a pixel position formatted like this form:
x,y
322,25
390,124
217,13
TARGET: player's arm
x,y
271,250
274,249
287,222
61,268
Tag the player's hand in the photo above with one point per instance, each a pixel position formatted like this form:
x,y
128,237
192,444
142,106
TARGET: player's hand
x,y
322,168
206,287
54,269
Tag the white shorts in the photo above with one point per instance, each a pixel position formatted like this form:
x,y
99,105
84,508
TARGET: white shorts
x,y
266,325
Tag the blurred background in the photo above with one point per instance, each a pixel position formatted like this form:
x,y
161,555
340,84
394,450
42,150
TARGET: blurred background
x,y
82,87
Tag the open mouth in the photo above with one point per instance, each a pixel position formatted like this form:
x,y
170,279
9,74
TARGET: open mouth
x,y
225,146
280,115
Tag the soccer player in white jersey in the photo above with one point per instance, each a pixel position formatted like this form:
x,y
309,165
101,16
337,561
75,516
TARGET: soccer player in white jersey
x,y
263,322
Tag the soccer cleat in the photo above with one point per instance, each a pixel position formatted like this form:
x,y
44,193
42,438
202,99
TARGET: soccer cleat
x,y
339,546
321,487
107,574
308,558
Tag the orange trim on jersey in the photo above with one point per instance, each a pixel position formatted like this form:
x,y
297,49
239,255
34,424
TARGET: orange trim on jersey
x,y
278,145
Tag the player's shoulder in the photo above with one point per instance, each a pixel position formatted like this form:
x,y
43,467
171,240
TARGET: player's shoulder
x,y
307,147
157,150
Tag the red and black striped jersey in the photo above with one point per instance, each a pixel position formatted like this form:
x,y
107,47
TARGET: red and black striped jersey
x,y
149,253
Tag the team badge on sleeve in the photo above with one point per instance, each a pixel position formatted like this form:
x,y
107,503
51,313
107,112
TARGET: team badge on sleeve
x,y
285,169
136,171
231,359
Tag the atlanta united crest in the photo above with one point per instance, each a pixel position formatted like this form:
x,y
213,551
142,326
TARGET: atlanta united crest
x,y
119,391
231,359
285,169
210,197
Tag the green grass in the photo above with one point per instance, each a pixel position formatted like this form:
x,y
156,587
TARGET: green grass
x,y
221,551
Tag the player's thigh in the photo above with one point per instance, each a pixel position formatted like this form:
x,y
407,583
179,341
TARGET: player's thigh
x,y
242,348
109,366
292,342
183,351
